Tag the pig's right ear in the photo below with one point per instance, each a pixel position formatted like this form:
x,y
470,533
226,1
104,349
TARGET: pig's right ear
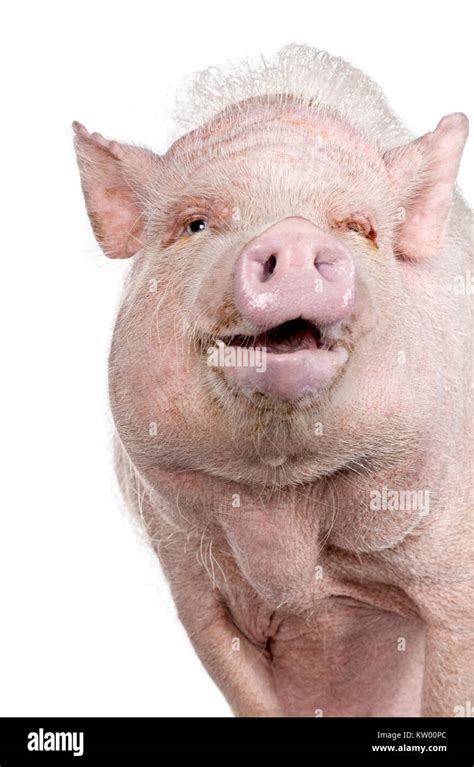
x,y
114,179
423,174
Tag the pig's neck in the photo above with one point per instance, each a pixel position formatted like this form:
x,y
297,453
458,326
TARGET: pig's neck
x,y
279,537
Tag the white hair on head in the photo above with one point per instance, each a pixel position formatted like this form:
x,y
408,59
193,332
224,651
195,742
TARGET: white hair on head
x,y
312,75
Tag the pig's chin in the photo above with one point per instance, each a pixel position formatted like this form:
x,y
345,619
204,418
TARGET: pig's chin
x,y
290,362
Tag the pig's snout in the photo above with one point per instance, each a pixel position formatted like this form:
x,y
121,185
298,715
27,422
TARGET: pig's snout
x,y
294,269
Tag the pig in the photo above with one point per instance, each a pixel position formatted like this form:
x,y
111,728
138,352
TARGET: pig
x,y
291,385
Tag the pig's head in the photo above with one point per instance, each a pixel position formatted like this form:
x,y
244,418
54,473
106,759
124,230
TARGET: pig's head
x,y
282,313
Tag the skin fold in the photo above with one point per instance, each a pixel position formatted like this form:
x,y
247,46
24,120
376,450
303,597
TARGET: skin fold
x,y
316,529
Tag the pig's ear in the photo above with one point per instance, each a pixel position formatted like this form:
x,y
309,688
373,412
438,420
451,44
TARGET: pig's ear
x,y
114,179
423,174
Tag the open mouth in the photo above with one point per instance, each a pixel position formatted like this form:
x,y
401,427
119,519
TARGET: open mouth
x,y
285,362
287,338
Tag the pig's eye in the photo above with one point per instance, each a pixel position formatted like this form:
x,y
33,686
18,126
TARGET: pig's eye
x,y
356,226
363,227
196,226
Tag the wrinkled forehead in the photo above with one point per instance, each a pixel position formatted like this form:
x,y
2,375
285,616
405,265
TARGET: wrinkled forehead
x,y
281,126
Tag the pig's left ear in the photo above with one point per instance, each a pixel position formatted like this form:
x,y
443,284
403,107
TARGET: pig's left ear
x,y
423,174
114,179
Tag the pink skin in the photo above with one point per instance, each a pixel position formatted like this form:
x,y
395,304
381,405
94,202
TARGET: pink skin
x,y
289,376
293,270
259,506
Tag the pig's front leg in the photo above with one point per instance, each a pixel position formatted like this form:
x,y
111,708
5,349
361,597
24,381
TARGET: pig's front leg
x,y
240,669
448,687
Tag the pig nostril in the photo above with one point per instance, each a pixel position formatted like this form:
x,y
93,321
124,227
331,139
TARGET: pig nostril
x,y
327,269
269,267
271,264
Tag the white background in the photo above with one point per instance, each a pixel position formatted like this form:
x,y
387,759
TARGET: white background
x,y
87,626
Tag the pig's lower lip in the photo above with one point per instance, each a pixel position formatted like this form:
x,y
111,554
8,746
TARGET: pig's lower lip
x,y
285,363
